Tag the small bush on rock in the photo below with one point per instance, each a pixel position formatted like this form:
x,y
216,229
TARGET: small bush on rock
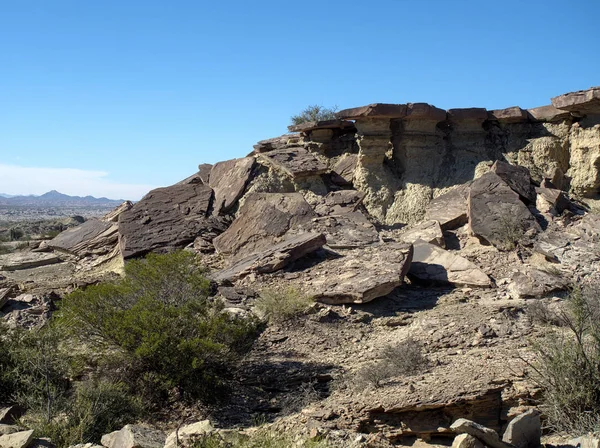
x,y
314,113
279,305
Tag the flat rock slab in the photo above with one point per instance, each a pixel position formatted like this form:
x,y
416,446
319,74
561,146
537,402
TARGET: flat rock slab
x,y
360,276
228,180
134,436
428,231
434,264
295,161
509,115
324,124
167,218
91,237
583,101
533,283
18,261
496,214
449,209
344,169
345,231
340,202
486,435
276,257
525,430
20,439
548,114
262,221
517,178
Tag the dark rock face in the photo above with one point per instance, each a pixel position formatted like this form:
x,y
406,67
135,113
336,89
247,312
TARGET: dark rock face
x,y
166,219
295,162
262,221
228,180
274,258
344,169
496,214
517,178
91,237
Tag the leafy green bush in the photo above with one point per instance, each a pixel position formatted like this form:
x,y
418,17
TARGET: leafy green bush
x,y
567,366
160,328
314,113
278,305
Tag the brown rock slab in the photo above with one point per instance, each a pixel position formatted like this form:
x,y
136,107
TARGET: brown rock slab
x,y
509,115
449,209
376,110
548,114
340,202
134,436
496,214
325,124
20,439
360,276
428,231
424,111
345,168
434,264
345,231
488,436
276,143
262,221
18,261
583,101
91,237
295,161
517,178
525,430
551,200
228,180
274,258
468,114
203,173
166,219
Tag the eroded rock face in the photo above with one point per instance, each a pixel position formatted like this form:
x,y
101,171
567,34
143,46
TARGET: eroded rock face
x,y
496,214
262,221
345,279
296,162
166,219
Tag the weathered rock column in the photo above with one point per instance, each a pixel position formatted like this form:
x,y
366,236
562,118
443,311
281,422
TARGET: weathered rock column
x,y
318,136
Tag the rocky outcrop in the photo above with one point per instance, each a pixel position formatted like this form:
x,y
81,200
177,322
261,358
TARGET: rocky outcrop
x,y
228,180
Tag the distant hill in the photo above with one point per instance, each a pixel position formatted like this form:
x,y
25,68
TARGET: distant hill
x,y
54,198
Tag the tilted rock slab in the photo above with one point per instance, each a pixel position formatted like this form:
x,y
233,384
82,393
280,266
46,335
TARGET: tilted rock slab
x,y
583,101
360,276
26,260
432,263
92,237
525,430
166,219
16,440
449,209
486,435
272,259
345,231
134,436
496,213
262,221
295,161
228,180
428,231
517,178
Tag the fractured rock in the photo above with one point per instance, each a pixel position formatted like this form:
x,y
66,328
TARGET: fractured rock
x,y
584,442
134,436
486,435
525,430
187,433
530,282
360,276
339,202
432,263
20,439
297,162
274,258
517,178
91,237
345,168
496,214
449,209
262,221
27,260
113,215
345,231
509,115
428,231
166,219
548,114
228,180
551,200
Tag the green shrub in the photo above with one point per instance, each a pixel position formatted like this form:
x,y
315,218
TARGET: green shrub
x,y
314,113
567,366
262,438
159,326
278,305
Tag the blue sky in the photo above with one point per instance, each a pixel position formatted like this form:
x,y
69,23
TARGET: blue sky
x,y
112,98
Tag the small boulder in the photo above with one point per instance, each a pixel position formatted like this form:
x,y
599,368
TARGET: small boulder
x,y
551,200
20,439
488,436
449,209
466,441
188,433
516,177
134,436
525,430
428,231
534,283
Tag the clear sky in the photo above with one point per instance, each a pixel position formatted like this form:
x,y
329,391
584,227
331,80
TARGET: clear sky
x,y
114,97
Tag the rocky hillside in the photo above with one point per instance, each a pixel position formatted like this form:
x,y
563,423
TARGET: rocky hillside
x,y
403,221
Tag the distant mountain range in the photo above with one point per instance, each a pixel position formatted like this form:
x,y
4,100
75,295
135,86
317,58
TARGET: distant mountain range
x,y
54,198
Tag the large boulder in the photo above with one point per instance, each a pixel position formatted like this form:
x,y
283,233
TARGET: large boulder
x,y
134,436
449,209
168,218
433,264
360,276
274,258
496,213
20,439
516,177
525,430
262,221
187,434
228,180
